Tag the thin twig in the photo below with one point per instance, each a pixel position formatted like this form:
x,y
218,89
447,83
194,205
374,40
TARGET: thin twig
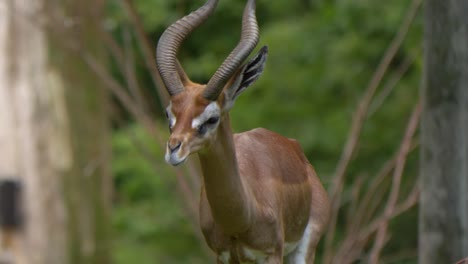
x,y
120,93
115,87
369,203
150,61
113,47
125,61
396,183
70,42
142,118
66,37
147,49
357,123
409,202
129,69
352,247
391,84
356,190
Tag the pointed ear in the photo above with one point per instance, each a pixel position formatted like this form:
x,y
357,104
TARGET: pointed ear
x,y
245,76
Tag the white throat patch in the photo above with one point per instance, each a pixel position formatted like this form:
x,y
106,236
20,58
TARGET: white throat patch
x,y
211,110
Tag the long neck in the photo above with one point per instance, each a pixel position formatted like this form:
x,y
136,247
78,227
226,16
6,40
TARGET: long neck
x,y
229,200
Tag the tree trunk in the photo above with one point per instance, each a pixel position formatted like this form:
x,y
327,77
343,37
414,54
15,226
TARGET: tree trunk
x,y
443,224
53,139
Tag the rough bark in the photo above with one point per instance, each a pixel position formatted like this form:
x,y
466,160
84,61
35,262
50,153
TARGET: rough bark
x,y
25,122
53,138
443,224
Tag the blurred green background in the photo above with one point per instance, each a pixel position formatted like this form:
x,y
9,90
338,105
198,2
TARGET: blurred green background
x,y
323,54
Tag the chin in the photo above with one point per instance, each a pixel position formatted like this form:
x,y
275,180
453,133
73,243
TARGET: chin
x,y
176,163
171,160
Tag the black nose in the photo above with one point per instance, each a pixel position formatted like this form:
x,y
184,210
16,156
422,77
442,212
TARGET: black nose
x,y
175,147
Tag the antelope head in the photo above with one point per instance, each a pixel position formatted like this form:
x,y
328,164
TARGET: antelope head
x,y
196,110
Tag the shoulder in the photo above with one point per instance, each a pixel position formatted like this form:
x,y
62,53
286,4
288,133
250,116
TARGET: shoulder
x,y
258,133
264,138
265,152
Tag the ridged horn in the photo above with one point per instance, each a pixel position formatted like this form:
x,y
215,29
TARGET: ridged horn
x,y
248,41
170,41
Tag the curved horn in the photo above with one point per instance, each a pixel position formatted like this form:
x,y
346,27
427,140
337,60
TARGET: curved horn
x,y
248,41
170,41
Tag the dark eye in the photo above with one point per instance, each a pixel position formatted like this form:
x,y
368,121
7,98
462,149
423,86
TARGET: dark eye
x,y
213,120
202,129
169,121
210,122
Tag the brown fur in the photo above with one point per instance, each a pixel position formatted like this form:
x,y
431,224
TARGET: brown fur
x,y
259,191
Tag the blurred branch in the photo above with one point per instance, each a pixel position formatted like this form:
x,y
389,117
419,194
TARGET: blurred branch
x,y
359,118
114,48
392,83
357,237
142,118
409,202
130,69
147,49
118,91
355,240
373,196
64,34
150,61
125,61
396,182
354,244
356,190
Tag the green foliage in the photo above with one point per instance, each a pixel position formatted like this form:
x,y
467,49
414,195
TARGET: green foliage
x,y
148,219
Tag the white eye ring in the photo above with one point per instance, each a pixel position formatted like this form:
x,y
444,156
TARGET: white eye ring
x,y
211,110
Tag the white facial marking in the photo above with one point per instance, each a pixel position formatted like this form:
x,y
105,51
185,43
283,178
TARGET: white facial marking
x,y
210,111
173,158
170,115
